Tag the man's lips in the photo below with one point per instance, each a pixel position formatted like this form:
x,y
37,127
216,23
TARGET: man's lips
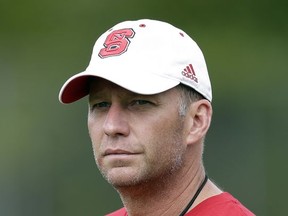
x,y
118,152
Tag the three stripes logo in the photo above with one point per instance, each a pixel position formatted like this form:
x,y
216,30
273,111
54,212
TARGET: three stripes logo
x,y
189,72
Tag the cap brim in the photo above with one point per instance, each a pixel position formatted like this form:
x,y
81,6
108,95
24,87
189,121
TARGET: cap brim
x,y
77,86
74,88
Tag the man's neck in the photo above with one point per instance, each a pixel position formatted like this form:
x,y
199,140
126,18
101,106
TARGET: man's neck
x,y
168,196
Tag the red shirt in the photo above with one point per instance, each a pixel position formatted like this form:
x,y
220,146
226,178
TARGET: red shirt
x,y
223,204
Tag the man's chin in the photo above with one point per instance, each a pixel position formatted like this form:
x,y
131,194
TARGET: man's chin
x,y
122,177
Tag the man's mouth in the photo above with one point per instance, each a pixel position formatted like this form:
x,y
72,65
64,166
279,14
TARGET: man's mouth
x,y
117,152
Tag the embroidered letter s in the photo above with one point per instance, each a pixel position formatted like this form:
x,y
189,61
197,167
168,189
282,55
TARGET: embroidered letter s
x,y
116,43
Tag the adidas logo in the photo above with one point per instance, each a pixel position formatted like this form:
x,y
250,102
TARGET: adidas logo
x,y
189,72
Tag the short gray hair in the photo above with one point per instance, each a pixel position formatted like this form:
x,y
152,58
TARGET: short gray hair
x,y
187,96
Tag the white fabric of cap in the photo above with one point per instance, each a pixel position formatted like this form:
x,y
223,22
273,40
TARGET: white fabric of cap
x,y
155,57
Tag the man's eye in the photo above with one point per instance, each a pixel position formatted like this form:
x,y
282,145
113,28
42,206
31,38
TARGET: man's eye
x,y
100,105
140,102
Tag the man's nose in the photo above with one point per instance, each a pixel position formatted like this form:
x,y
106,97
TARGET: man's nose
x,y
116,122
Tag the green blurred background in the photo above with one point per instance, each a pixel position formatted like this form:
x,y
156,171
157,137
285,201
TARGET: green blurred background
x,y
46,160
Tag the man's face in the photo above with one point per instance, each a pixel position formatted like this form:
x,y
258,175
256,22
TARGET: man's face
x,y
136,138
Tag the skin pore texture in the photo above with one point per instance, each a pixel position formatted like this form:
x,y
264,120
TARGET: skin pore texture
x,y
148,150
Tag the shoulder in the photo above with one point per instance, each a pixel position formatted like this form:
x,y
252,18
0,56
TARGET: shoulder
x,y
222,204
119,212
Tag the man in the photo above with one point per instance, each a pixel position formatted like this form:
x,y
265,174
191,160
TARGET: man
x,y
149,111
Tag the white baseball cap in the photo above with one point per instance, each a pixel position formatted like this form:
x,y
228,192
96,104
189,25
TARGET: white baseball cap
x,y
145,57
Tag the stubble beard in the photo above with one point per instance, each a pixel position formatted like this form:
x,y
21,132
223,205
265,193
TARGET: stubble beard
x,y
151,173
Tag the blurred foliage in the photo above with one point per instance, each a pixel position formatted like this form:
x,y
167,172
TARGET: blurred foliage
x,y
46,162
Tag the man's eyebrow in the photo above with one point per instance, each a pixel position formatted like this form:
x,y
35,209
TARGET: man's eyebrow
x,y
96,96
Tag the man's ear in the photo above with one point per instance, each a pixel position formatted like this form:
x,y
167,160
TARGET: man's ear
x,y
198,118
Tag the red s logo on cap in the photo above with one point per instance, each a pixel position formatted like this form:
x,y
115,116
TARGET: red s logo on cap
x,y
116,43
